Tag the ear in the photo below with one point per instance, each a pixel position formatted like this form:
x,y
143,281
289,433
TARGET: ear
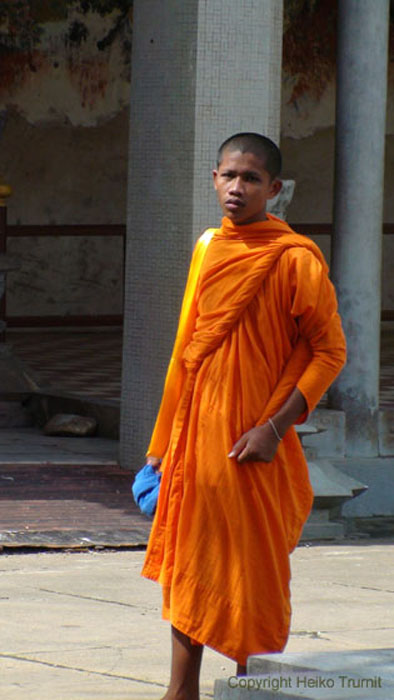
x,y
214,175
276,186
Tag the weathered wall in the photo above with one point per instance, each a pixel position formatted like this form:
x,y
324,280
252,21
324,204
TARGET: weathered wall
x,y
64,96
66,276
64,93
64,100
65,174
310,162
65,61
308,110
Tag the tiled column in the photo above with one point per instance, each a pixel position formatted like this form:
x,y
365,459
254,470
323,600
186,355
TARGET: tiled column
x,y
200,72
356,262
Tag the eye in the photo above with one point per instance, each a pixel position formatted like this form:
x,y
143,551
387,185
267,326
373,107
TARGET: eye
x,y
252,178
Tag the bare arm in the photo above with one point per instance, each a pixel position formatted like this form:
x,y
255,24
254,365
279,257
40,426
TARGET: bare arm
x,y
260,443
315,308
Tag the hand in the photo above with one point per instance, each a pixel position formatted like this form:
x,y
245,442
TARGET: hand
x,y
154,461
257,445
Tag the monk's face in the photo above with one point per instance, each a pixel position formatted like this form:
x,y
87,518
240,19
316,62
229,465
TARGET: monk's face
x,y
243,186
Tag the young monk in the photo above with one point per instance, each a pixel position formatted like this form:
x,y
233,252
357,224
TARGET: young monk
x,y
259,341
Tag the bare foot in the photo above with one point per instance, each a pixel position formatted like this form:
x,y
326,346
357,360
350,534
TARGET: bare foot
x,y
179,696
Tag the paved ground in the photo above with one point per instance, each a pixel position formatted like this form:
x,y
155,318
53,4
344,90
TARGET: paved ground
x,y
78,625
55,505
65,492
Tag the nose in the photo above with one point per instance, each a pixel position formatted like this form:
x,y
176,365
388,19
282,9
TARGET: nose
x,y
236,185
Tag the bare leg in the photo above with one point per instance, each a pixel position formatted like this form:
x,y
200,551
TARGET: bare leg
x,y
185,668
241,670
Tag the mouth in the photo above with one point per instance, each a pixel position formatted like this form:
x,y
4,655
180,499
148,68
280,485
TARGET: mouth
x,y
233,204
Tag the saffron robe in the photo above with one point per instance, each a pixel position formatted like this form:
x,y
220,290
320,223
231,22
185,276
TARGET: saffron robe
x,y
259,318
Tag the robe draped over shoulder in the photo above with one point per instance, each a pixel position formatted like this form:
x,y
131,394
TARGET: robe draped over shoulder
x,y
259,318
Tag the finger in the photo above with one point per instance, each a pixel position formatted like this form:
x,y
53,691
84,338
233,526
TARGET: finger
x,y
154,461
244,455
238,447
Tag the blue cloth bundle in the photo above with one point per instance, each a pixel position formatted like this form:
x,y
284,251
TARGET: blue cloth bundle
x,y
146,489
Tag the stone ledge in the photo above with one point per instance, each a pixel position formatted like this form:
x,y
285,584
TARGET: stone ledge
x,y
346,675
328,438
331,488
259,687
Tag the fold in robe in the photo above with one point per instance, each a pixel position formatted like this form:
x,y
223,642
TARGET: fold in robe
x,y
259,318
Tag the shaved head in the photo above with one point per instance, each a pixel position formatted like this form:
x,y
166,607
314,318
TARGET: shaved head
x,y
262,147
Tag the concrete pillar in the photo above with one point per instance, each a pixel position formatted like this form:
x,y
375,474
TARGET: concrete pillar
x,y
200,72
356,260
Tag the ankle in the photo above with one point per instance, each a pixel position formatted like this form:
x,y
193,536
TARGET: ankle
x,y
179,695
182,691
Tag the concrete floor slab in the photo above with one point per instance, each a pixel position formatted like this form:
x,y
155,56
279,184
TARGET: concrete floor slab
x,y
79,625
31,446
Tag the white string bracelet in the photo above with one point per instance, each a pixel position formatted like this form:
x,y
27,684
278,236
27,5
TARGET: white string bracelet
x,y
273,426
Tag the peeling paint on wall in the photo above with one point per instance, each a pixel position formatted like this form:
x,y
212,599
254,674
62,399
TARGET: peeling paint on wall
x,y
308,58
309,66
65,61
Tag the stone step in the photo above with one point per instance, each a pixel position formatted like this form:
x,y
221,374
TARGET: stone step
x,y
106,412
14,414
323,435
320,527
332,488
31,446
347,675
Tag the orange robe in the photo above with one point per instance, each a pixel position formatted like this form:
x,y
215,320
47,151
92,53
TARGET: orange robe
x,y
259,317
